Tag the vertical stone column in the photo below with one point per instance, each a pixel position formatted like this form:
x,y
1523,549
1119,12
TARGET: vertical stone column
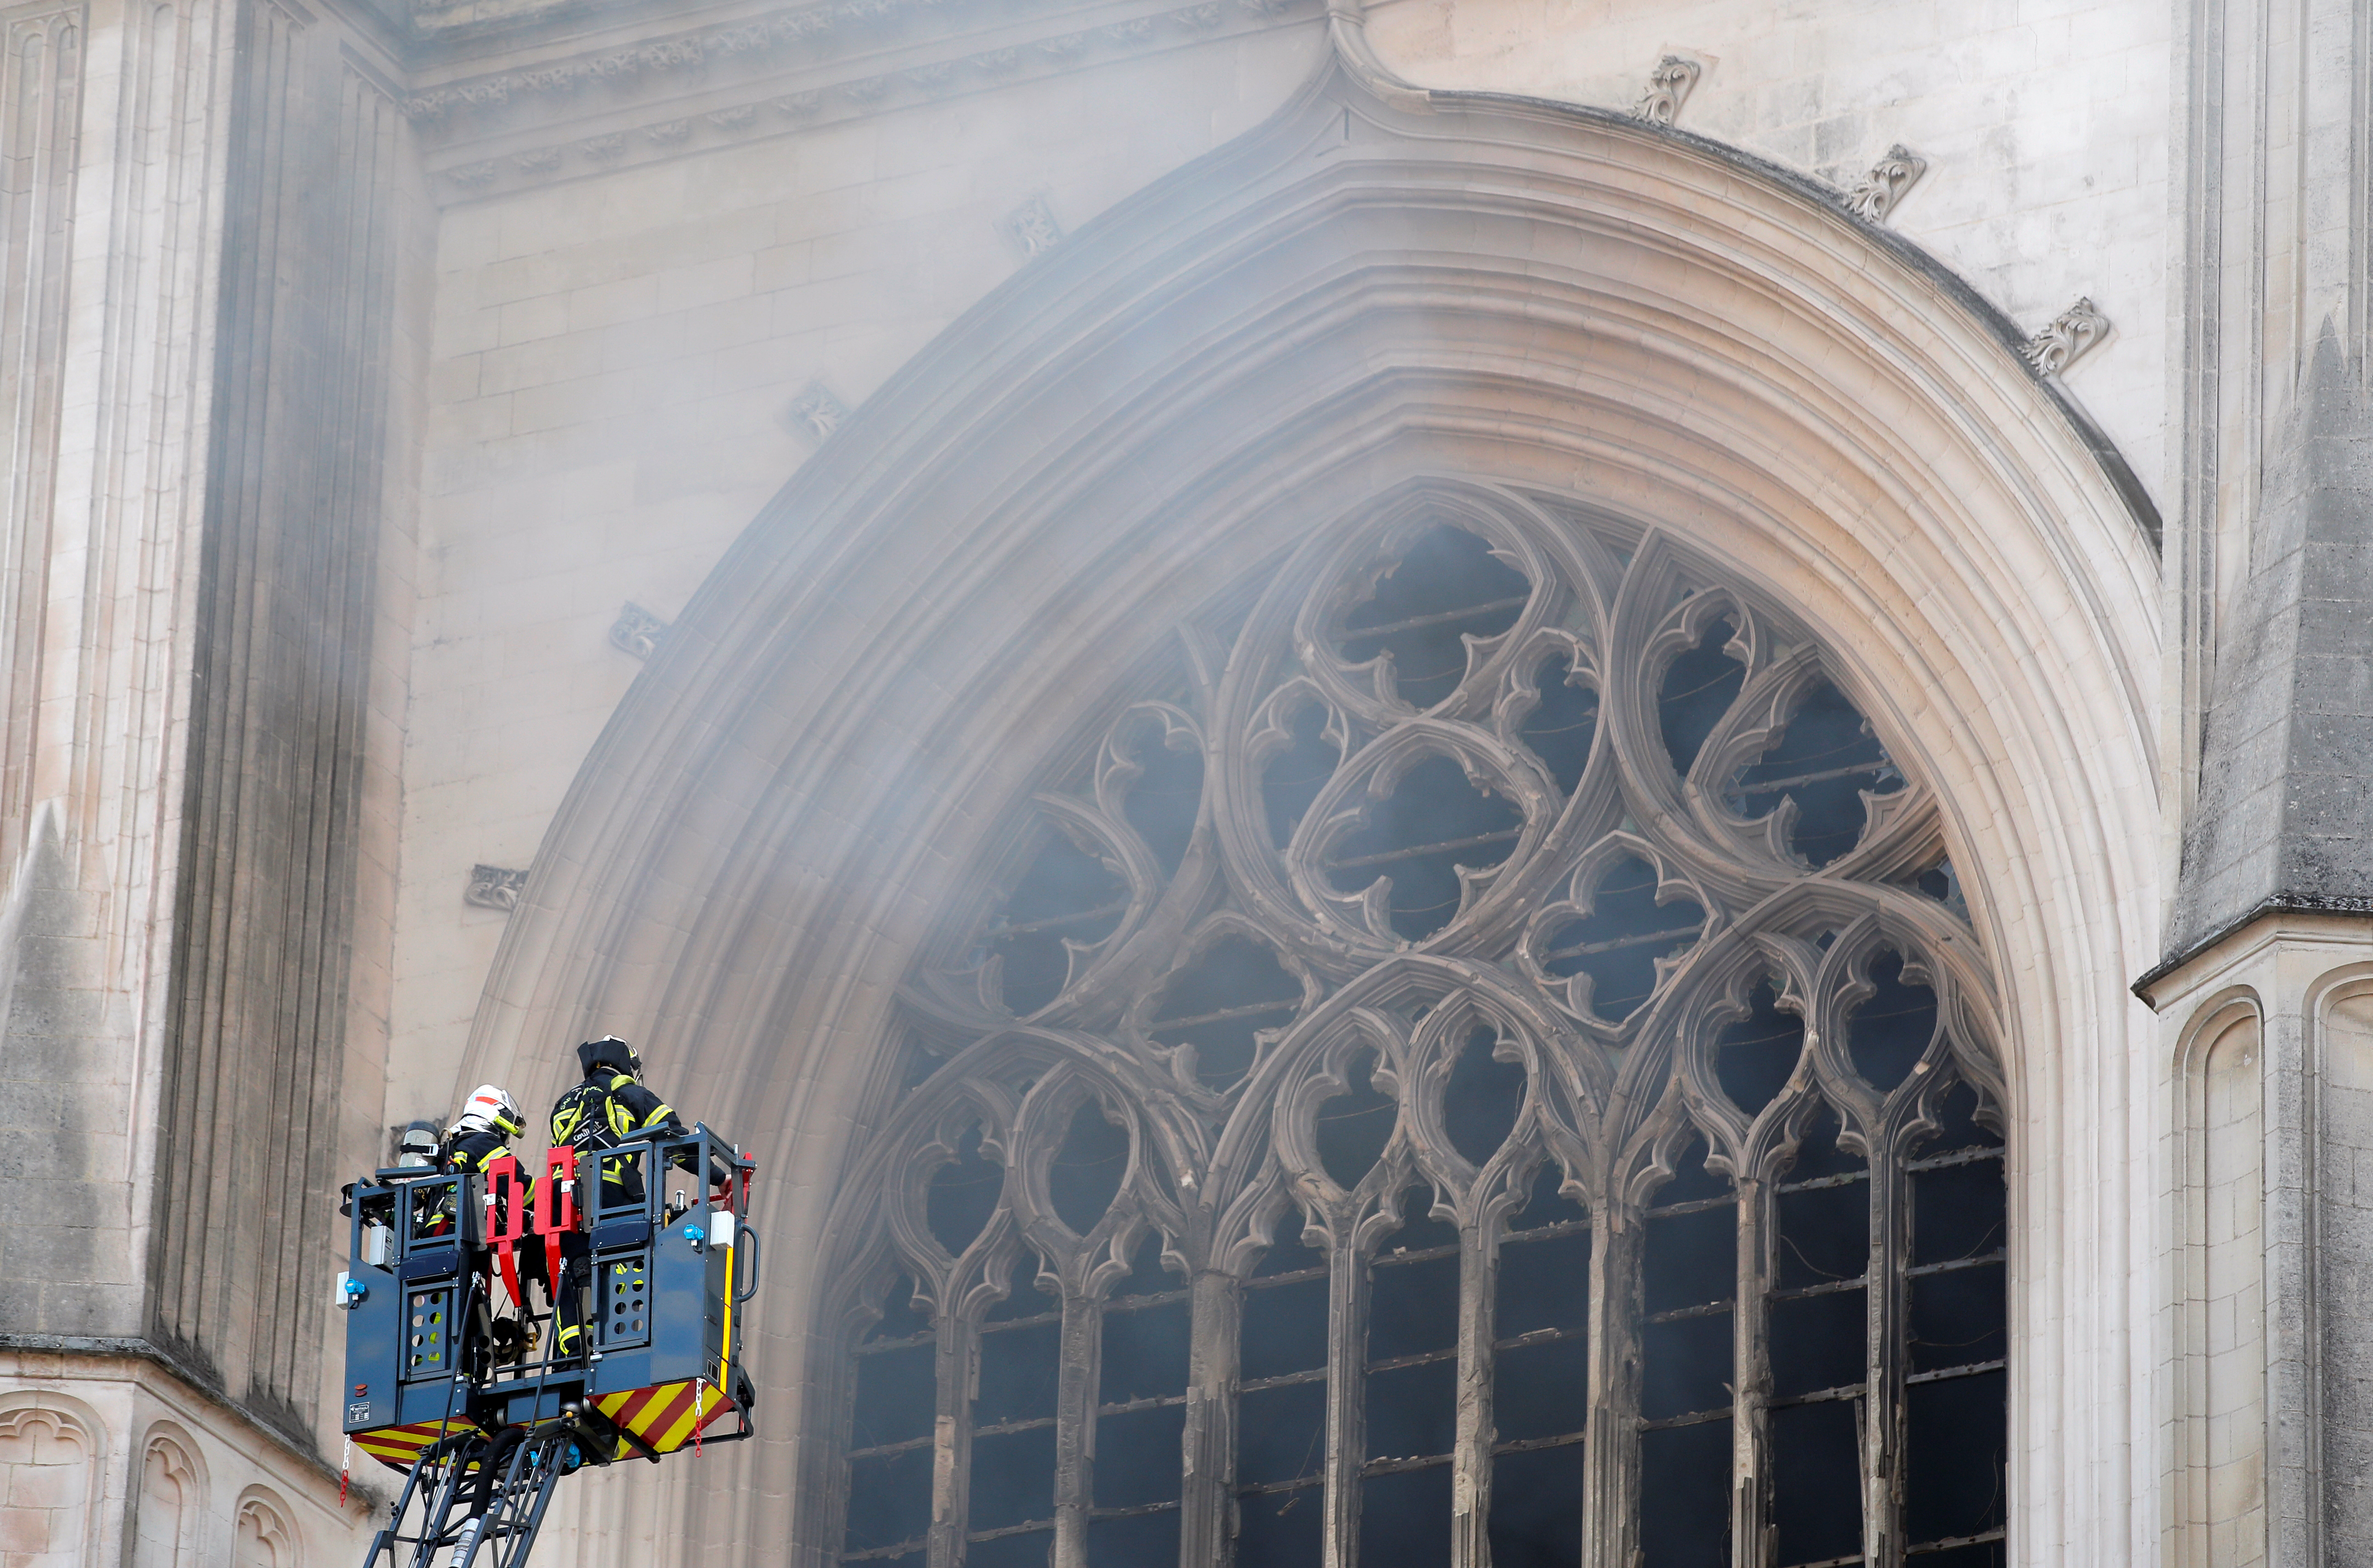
x,y
2268,1037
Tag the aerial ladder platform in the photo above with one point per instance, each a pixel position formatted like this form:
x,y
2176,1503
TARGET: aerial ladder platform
x,y
504,1331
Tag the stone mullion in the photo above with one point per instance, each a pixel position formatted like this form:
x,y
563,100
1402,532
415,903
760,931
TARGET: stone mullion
x,y
1347,1427
1470,1479
958,1366
1887,1309
1611,1529
1075,1427
1214,1376
1751,1545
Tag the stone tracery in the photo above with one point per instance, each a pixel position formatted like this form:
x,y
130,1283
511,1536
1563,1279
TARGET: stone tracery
x,y
1499,878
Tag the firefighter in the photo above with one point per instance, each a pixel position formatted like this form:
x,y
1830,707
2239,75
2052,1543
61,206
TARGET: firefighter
x,y
608,1107
482,1132
611,1106
480,1136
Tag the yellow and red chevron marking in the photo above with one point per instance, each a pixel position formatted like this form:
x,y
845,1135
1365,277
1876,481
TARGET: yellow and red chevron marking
x,y
400,1446
662,1415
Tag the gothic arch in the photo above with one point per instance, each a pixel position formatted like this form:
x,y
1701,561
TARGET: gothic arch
x,y
43,1434
169,1502
264,1531
1373,292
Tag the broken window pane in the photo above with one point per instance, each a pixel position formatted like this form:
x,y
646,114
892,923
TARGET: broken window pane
x,y
1953,1470
1825,759
1353,1129
963,1194
1685,1495
1087,1170
1560,729
1816,1481
1481,1103
1698,689
1435,821
1887,1033
1626,932
1755,1055
1218,1003
1280,1529
1448,587
1536,1508
1162,800
1066,893
1295,775
1405,1518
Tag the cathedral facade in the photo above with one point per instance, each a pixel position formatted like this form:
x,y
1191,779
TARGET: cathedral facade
x,y
1500,782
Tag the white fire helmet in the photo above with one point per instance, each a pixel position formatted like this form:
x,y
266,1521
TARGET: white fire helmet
x,y
490,1106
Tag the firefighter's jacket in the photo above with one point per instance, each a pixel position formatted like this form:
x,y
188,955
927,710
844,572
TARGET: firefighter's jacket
x,y
605,1110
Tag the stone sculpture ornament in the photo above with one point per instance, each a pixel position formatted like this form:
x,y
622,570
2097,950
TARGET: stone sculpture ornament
x,y
1468,873
1876,194
1669,86
2071,335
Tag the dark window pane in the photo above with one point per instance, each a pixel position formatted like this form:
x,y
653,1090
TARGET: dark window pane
x,y
1816,1481
896,1396
1618,943
1353,1129
1296,774
1086,1174
1066,894
1686,1366
1958,1317
1824,1235
1888,1031
889,1499
1413,1410
1958,1212
1545,1205
1818,1151
1280,1529
1218,1003
1560,729
1412,1308
1280,1434
1692,1179
1141,1541
1018,1372
1480,1102
1404,1519
1138,1456
901,1318
1536,1508
1818,1342
1953,1471
1435,821
1144,1353
1022,1296
1289,1254
1012,1478
1983,1554
1285,1328
1035,1550
1541,1391
1685,1484
1755,1055
1824,760
1449,587
1962,1129
1692,1259
1544,1285
963,1194
1162,802
1697,690
1146,1275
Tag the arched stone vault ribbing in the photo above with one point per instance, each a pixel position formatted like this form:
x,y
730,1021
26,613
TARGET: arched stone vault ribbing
x,y
1374,287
